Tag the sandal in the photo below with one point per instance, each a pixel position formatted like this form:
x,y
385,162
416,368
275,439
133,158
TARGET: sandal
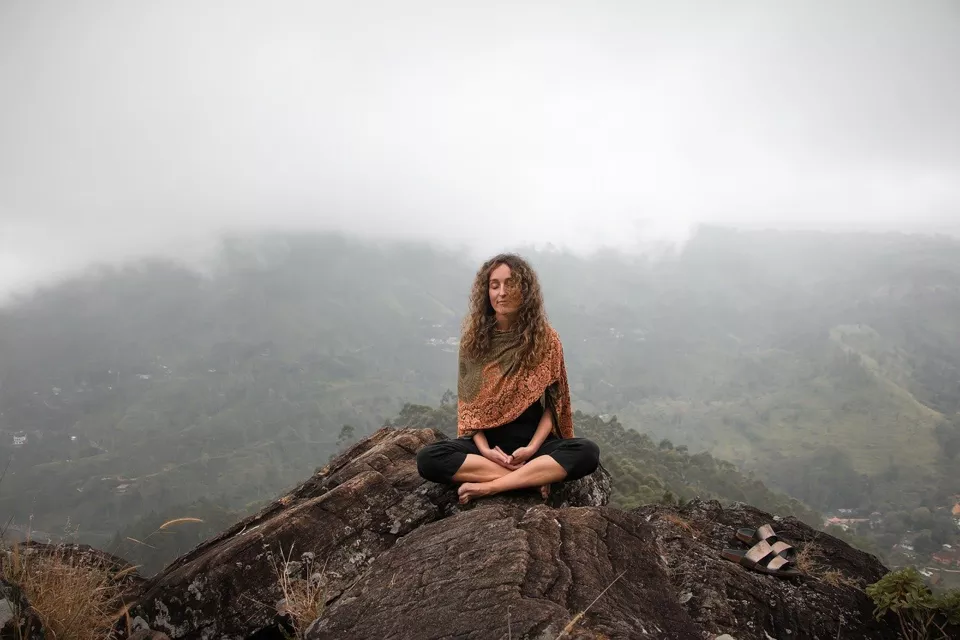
x,y
761,557
766,534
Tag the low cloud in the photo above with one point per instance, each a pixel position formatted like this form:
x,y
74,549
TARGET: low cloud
x,y
134,128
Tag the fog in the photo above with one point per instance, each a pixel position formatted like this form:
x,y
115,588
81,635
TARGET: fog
x,y
129,128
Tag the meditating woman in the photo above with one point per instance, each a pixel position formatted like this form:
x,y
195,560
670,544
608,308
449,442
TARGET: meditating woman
x,y
514,422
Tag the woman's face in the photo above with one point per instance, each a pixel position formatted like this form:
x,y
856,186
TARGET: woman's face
x,y
504,291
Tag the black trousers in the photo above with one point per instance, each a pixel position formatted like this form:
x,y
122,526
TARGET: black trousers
x,y
439,461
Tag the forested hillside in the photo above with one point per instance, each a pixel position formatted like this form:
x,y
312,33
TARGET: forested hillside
x,y
826,365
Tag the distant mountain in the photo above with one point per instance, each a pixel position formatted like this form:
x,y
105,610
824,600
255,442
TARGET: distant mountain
x,y
826,364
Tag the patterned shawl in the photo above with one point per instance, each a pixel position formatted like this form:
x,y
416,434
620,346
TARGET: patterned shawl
x,y
495,390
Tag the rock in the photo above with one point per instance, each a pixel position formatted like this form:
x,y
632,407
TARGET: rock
x,y
728,599
348,514
146,634
18,620
398,557
515,571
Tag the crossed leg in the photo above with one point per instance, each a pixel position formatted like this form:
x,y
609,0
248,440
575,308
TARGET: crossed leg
x,y
539,472
482,476
479,469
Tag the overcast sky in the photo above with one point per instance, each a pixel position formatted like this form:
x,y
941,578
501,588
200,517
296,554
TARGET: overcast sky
x,y
132,126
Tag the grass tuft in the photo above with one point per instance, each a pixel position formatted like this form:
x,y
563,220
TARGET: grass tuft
x,y
76,596
807,557
170,523
73,599
573,621
677,521
304,592
836,578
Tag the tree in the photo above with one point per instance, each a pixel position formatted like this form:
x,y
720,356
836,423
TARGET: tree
x,y
666,445
924,544
895,522
448,398
921,518
943,530
346,435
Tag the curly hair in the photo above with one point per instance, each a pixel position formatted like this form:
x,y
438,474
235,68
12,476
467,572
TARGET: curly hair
x,y
480,322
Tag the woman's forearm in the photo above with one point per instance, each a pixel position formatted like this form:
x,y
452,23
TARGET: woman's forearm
x,y
480,439
543,429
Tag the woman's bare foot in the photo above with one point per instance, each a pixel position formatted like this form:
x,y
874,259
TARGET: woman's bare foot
x,y
470,490
545,491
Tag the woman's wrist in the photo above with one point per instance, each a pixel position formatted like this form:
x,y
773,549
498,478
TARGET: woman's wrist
x,y
482,445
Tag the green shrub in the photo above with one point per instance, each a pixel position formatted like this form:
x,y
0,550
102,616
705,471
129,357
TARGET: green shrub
x,y
904,594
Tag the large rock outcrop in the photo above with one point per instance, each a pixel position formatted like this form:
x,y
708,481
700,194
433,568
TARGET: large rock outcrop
x,y
397,557
501,571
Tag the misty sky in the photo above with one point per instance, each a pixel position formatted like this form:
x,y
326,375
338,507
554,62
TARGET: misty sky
x,y
130,126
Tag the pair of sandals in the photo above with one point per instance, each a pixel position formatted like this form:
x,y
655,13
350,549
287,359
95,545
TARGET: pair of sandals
x,y
768,554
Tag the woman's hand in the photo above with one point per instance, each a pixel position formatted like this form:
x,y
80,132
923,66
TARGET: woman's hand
x,y
522,455
497,455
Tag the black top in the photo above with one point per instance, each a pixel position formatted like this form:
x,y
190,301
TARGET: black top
x,y
531,415
519,432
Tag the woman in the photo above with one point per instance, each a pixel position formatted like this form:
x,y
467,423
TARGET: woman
x,y
514,422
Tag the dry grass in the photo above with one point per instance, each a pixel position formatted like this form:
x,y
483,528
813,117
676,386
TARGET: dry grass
x,y
164,528
74,600
75,596
835,578
682,523
576,619
170,523
807,556
304,593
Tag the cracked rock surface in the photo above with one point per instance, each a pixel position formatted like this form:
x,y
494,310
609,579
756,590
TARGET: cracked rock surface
x,y
475,574
722,597
396,557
